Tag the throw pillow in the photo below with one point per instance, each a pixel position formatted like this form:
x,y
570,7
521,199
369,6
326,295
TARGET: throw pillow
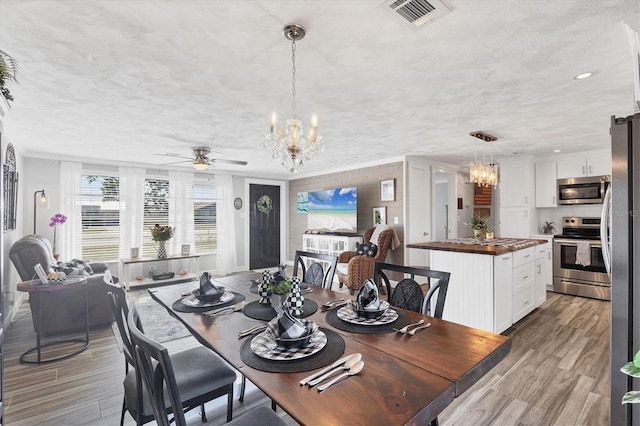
x,y
366,249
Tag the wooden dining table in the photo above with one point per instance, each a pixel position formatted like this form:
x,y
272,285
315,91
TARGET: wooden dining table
x,y
406,380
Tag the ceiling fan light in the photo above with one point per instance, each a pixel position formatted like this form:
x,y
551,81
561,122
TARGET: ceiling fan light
x,y
200,166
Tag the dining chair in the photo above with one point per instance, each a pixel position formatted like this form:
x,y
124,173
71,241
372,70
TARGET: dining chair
x,y
313,268
202,373
169,391
408,287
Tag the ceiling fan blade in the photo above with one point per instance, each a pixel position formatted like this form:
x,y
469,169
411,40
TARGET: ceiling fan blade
x,y
221,160
169,154
190,160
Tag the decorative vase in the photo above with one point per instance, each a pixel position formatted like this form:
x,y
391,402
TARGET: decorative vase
x,y
162,250
479,234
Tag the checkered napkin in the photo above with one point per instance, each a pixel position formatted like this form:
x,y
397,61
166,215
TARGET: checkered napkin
x,y
265,346
295,300
367,297
346,313
290,327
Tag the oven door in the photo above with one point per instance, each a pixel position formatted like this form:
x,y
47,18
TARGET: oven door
x,y
564,262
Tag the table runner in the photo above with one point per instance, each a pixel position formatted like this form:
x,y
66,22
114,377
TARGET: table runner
x,y
332,351
333,320
260,311
181,307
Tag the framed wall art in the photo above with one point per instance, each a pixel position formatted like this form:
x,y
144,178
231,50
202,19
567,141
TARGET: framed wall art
x,y
387,190
379,216
186,249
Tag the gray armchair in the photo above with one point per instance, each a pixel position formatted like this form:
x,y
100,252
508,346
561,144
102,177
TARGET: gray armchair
x,y
64,312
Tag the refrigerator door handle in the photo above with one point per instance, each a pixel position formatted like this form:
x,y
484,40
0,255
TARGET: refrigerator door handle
x,y
604,230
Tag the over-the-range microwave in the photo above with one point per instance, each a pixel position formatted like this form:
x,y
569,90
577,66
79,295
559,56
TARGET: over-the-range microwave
x,y
583,190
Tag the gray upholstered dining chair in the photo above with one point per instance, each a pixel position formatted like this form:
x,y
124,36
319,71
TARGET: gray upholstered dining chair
x,y
317,269
408,293
167,390
201,374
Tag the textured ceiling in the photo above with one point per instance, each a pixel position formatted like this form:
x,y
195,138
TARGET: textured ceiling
x,y
117,81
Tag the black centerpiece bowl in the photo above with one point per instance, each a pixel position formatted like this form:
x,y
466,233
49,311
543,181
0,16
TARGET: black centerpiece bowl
x,y
301,341
370,313
208,298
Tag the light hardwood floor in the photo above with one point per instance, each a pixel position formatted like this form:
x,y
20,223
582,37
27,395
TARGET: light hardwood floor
x,y
557,373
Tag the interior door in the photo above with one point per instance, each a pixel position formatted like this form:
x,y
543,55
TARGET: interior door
x,y
264,226
418,220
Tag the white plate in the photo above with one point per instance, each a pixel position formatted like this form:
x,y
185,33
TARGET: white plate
x,y
264,345
192,301
349,315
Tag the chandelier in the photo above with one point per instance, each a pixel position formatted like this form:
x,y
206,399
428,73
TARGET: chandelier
x,y
481,173
290,143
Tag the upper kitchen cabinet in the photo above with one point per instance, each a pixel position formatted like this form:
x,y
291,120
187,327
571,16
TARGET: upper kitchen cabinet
x,y
592,163
514,183
546,184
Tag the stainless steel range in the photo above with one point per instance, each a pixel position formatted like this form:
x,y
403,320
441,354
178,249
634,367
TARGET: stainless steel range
x,y
578,264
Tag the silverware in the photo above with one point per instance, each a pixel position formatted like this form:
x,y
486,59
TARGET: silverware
x,y
331,302
325,308
355,369
353,360
306,290
324,370
407,327
252,330
225,310
415,330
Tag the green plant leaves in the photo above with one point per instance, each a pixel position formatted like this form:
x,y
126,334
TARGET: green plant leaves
x,y
630,369
631,397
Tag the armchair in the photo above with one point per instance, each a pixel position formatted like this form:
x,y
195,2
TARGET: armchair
x,y
63,313
353,269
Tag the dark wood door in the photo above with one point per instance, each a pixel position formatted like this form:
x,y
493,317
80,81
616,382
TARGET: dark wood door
x,y
264,226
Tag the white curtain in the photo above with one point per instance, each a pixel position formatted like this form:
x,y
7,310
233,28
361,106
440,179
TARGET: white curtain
x,y
69,235
181,210
226,259
131,209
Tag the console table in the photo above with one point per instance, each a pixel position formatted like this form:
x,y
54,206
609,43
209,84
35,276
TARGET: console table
x,y
37,289
329,243
149,265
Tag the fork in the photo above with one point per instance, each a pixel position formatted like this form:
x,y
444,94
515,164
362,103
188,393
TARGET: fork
x,y
412,332
406,328
225,310
252,330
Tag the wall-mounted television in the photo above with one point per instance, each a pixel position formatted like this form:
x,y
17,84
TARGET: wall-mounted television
x,y
333,211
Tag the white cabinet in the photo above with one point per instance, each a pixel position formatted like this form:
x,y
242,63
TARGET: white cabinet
x,y
502,297
514,183
514,222
329,244
544,268
593,163
546,184
523,284
140,271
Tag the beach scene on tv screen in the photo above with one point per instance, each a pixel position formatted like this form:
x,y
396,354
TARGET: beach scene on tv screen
x,y
333,210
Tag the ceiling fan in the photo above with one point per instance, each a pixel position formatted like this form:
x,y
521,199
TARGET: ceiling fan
x,y
200,158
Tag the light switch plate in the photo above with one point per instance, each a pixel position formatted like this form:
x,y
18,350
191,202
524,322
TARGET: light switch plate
x,y
395,220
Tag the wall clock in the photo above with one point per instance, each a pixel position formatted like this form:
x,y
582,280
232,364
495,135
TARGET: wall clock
x,y
237,203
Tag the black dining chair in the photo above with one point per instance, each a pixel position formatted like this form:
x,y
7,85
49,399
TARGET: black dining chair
x,y
169,391
203,374
317,269
408,293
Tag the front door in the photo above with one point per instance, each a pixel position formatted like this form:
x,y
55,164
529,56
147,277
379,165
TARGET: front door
x,y
264,226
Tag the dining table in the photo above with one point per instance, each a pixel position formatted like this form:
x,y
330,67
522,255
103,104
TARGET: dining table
x,y
405,380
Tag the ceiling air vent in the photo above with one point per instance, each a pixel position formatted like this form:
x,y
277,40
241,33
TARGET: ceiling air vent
x,y
415,13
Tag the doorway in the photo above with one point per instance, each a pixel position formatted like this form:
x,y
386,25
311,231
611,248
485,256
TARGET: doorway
x,y
444,204
264,226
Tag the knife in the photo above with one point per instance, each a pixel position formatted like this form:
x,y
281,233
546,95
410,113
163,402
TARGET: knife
x,y
324,370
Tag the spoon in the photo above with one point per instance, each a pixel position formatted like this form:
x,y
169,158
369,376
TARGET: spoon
x,y
352,372
412,332
354,359
406,327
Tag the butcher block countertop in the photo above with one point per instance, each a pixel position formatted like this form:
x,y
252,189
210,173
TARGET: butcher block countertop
x,y
495,247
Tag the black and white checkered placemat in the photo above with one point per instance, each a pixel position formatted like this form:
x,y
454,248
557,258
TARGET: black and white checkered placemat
x,y
264,345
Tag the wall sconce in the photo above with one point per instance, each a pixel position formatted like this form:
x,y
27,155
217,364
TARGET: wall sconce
x,y
38,202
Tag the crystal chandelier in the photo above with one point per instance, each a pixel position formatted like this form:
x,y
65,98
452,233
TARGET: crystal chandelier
x,y
481,173
290,143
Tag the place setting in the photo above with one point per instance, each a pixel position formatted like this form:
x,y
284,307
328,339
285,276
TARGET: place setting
x,y
367,314
209,299
276,289
288,344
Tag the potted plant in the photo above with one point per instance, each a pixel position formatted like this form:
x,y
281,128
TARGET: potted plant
x,y
480,226
632,368
8,72
548,228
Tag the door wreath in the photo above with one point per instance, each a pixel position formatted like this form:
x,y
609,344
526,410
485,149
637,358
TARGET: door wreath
x,y
265,205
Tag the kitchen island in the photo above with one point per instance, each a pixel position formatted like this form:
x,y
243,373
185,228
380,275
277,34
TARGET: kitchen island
x,y
493,282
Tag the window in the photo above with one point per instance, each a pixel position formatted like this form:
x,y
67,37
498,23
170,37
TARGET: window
x,y
100,209
205,199
156,211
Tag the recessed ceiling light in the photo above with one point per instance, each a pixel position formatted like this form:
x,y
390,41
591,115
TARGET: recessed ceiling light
x,y
583,75
557,150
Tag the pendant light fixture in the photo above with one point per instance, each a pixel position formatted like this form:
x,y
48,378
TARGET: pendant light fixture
x,y
481,173
290,143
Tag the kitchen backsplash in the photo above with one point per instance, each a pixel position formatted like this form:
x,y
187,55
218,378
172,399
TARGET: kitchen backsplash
x,y
557,213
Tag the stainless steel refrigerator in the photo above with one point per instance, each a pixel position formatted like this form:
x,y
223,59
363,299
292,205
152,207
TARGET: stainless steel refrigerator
x,y
623,255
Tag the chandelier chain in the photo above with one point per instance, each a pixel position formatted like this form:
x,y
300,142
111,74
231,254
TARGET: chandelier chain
x,y
293,77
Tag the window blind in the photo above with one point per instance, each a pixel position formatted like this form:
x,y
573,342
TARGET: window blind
x,y
156,211
99,197
205,198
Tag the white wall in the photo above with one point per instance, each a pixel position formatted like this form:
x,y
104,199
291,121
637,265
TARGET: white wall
x,y
465,191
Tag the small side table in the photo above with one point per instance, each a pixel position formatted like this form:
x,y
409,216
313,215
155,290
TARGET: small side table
x,y
36,289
